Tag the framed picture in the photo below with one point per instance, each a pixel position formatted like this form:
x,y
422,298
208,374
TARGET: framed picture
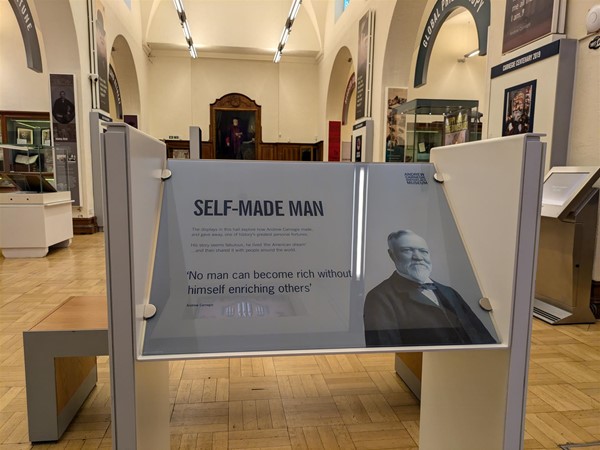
x,y
46,136
25,136
519,108
235,134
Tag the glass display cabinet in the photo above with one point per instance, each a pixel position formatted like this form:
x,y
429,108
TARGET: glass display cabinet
x,y
26,153
33,215
421,124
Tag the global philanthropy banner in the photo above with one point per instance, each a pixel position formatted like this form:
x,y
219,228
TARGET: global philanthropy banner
x,y
64,131
361,256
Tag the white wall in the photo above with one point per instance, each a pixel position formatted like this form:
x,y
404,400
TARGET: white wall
x,y
21,89
183,89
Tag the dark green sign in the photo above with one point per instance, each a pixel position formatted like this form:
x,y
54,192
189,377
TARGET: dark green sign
x,y
479,9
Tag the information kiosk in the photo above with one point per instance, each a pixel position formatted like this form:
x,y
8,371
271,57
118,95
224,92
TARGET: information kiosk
x,y
293,258
567,243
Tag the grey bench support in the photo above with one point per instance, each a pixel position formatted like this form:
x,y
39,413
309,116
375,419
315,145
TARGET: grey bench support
x,y
60,364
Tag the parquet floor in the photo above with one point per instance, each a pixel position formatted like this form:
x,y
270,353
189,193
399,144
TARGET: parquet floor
x,y
304,402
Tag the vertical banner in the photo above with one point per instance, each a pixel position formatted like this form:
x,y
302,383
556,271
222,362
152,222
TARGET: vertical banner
x,y
102,58
395,125
64,129
364,65
334,140
528,20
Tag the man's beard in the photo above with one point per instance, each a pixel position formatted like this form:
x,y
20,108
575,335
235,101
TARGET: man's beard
x,y
418,272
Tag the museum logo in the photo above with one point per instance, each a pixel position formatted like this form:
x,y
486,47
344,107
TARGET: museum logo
x,y
415,178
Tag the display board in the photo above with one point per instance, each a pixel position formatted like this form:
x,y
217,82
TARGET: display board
x,y
273,263
563,188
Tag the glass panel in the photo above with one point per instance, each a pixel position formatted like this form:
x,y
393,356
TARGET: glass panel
x,y
280,257
433,123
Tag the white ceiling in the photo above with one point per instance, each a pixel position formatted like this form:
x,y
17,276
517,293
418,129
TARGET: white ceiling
x,y
243,27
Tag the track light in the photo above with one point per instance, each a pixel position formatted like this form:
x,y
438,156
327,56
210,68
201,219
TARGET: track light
x,y
285,34
186,28
472,53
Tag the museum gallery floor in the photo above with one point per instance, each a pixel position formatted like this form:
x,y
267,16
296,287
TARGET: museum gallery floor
x,y
302,402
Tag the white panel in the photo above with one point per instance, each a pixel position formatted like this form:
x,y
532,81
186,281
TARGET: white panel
x,y
479,402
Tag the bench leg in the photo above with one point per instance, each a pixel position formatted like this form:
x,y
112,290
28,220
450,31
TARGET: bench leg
x,y
60,372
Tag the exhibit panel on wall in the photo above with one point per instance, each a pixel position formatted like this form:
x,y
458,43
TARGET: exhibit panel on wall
x,y
533,93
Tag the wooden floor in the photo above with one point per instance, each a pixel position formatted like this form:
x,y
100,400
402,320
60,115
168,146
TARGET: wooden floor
x,y
308,402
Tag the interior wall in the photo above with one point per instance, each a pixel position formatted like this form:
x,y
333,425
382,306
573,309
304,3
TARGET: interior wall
x,y
21,89
183,90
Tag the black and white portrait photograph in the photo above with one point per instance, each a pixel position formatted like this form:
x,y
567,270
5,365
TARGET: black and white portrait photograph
x,y
411,308
24,136
421,288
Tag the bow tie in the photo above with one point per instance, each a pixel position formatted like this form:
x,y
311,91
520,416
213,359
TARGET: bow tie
x,y
428,286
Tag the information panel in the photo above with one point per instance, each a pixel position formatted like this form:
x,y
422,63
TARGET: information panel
x,y
280,257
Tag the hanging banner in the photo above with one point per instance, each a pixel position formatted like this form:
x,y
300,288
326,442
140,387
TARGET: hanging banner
x,y
364,68
114,84
64,130
28,33
102,58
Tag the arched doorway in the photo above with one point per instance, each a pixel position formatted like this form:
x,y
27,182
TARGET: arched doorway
x,y
339,93
121,60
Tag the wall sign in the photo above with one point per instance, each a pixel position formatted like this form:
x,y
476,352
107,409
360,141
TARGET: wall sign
x,y
114,84
102,58
527,21
28,32
347,96
479,9
526,59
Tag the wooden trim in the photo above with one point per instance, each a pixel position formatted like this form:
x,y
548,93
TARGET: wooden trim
x,y
595,298
85,225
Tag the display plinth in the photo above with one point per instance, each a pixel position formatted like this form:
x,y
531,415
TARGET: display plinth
x,y
32,222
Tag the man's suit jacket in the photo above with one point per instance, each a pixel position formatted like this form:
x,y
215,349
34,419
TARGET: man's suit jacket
x,y
397,313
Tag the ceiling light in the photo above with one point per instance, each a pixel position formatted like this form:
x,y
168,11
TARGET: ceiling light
x,y
186,28
285,34
178,6
472,53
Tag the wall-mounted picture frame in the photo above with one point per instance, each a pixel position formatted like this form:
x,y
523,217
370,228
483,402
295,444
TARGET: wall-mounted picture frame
x,y
24,136
519,109
46,137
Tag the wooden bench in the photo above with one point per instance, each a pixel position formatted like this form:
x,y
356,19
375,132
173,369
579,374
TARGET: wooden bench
x,y
60,363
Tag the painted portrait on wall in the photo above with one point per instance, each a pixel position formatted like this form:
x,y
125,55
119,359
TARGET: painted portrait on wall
x,y
236,134
519,108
